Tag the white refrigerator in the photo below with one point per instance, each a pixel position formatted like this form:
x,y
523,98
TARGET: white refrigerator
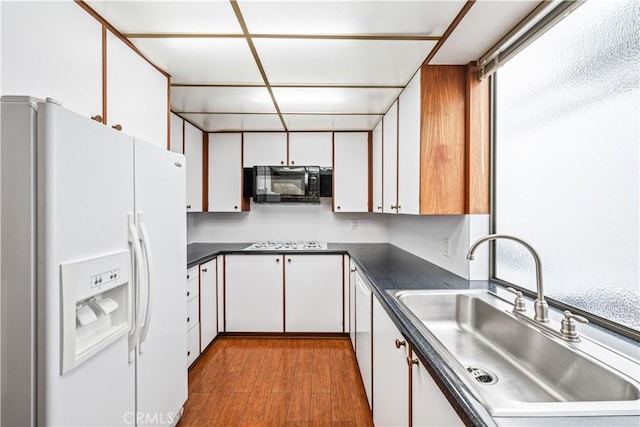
x,y
93,261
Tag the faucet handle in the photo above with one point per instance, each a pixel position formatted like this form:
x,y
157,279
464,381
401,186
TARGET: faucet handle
x,y
568,326
519,304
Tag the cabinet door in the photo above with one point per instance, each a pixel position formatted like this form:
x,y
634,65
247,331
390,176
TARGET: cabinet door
x,y
220,279
176,135
409,148
313,293
351,172
208,303
193,153
193,349
345,292
225,172
377,168
352,304
310,149
363,334
264,149
137,94
52,49
390,161
430,407
253,290
391,397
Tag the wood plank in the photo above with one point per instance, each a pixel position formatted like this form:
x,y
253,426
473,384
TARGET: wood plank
x,y
233,409
192,407
276,412
250,371
442,139
320,411
300,398
321,380
305,355
217,399
362,412
341,401
256,408
286,370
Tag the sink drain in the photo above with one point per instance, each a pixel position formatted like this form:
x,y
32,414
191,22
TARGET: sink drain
x,y
481,375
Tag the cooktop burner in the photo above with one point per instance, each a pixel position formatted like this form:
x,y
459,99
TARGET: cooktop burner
x,y
286,246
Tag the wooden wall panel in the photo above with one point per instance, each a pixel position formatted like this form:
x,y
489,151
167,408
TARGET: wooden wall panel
x,y
442,150
477,135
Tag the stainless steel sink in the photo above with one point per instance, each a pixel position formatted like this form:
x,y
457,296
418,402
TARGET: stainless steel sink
x,y
514,368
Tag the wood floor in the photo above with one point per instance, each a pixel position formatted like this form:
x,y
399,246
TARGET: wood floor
x,y
274,382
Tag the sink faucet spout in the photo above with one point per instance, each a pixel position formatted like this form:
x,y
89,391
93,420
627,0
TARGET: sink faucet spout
x,y
540,307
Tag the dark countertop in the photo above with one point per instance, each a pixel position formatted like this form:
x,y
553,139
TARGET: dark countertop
x,y
387,267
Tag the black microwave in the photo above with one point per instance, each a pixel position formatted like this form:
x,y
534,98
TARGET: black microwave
x,y
284,184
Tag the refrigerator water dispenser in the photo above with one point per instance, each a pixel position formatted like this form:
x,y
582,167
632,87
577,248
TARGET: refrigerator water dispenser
x,y
96,306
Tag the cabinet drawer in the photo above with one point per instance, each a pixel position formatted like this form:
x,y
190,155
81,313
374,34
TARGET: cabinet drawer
x,y
193,273
193,315
193,345
192,289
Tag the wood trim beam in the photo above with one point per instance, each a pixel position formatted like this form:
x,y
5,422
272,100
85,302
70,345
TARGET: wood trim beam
x,y
292,85
104,74
381,37
256,57
370,171
205,172
258,113
168,113
456,21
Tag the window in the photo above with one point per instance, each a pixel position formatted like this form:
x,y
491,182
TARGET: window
x,y
567,162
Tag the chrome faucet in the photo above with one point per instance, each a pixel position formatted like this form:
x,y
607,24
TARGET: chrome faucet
x,y
541,308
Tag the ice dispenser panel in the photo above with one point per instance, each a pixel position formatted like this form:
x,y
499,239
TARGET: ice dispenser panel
x,y
96,306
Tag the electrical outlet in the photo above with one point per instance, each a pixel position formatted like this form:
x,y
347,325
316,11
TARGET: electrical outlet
x,y
354,224
445,247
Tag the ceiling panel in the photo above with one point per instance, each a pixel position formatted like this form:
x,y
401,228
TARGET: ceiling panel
x,y
202,60
169,16
334,100
221,99
331,122
356,62
483,26
349,17
235,122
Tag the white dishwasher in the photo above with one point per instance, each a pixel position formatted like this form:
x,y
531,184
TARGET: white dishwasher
x,y
363,333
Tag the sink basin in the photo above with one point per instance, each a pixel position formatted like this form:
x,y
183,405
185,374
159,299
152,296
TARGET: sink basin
x,y
516,369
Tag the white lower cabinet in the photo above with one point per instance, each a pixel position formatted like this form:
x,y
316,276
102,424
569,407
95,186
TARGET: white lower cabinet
x,y
253,293
313,293
390,376
352,304
193,316
429,406
208,303
193,345
392,406
363,299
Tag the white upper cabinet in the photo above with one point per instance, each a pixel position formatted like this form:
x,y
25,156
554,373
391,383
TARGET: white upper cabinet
x,y
225,172
351,172
193,153
137,94
376,172
390,159
52,49
409,148
265,149
176,141
310,149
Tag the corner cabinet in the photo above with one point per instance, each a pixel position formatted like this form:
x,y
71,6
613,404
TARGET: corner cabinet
x,y
351,172
225,172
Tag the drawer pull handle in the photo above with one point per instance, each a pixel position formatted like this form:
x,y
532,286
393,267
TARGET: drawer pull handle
x,y
399,343
188,293
188,353
188,319
97,118
204,270
117,127
412,362
277,259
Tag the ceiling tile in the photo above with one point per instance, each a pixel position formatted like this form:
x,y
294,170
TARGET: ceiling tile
x,y
335,100
483,26
169,16
221,99
202,60
235,122
356,62
349,17
331,122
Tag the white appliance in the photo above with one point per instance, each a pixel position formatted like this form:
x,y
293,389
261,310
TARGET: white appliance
x,y
364,305
287,246
93,254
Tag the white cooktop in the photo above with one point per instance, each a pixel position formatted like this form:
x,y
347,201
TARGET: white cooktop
x,y
287,246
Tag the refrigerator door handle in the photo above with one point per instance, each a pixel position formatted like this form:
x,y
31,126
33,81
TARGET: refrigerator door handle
x,y
137,256
144,325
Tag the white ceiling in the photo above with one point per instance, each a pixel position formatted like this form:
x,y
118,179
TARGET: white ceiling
x,y
330,65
